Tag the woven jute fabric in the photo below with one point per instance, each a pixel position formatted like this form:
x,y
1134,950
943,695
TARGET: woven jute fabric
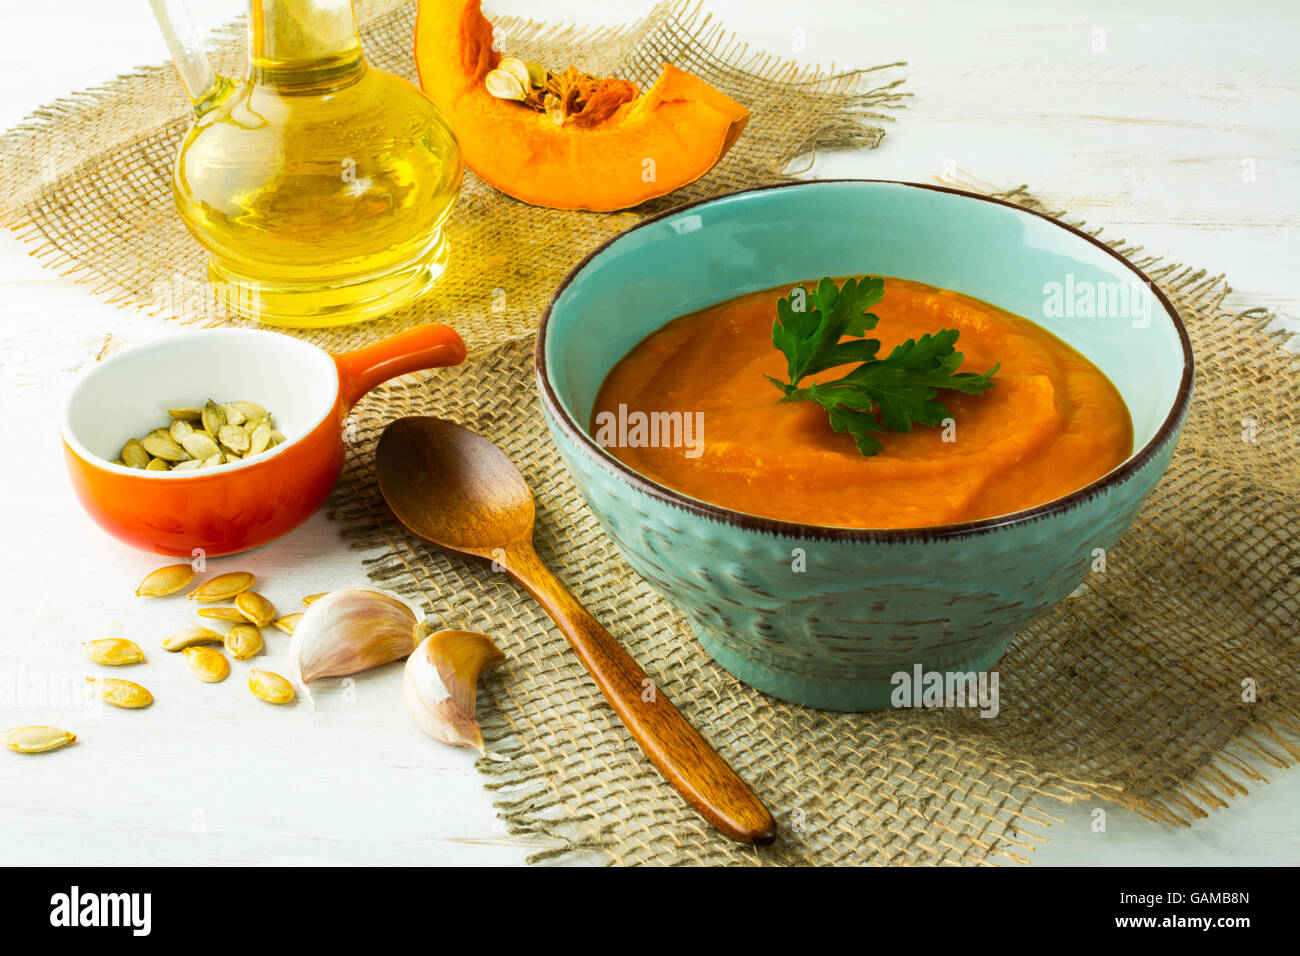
x,y
88,179
1166,684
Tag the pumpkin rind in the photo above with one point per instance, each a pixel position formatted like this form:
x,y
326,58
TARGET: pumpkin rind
x,y
671,135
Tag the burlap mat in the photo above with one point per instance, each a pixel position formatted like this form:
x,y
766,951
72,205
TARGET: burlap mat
x,y
1130,692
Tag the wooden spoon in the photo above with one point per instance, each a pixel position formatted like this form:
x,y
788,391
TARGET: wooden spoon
x,y
460,492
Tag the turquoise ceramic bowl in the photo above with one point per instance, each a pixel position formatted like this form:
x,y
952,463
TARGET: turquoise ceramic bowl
x,y
868,604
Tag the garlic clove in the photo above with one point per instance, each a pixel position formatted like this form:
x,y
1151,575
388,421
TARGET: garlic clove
x,y
351,630
440,682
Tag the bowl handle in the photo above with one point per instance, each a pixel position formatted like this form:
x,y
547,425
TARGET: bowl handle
x,y
425,346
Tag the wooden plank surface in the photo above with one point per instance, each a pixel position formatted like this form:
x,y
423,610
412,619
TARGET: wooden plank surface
x,y
1175,125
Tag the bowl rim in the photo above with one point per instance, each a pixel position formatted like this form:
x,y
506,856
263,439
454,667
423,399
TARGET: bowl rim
x,y
797,530
78,448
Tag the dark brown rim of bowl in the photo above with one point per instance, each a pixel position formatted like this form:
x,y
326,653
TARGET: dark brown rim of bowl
x,y
791,529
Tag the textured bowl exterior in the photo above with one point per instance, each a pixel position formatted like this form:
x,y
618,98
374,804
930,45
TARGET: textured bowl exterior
x,y
826,616
831,635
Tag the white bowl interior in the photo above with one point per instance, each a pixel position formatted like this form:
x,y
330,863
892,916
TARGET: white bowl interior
x,y
128,394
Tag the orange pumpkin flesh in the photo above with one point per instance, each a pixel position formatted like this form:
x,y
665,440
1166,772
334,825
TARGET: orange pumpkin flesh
x,y
670,136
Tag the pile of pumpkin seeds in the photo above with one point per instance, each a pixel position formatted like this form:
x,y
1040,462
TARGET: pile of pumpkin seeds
x,y
248,613
216,434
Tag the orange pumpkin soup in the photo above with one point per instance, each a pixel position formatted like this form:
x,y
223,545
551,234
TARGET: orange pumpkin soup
x,y
1051,423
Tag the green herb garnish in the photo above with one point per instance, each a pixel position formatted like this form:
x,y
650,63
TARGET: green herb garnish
x,y
890,393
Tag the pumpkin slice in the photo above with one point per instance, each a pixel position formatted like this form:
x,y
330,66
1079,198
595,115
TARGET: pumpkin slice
x,y
669,136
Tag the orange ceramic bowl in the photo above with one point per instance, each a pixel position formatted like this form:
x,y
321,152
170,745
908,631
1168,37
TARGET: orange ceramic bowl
x,y
241,505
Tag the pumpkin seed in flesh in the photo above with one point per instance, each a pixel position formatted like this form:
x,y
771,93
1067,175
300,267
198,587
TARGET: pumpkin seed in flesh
x,y
113,651
207,664
37,739
504,86
243,641
165,581
271,688
160,445
120,693
223,587
230,614
256,608
134,455
190,635
288,622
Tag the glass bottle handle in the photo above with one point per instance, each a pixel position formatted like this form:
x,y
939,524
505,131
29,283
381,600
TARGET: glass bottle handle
x,y
205,88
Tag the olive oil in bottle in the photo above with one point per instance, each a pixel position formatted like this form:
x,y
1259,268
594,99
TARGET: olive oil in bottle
x,y
318,185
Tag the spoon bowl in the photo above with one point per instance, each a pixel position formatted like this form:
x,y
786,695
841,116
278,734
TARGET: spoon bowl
x,y
482,499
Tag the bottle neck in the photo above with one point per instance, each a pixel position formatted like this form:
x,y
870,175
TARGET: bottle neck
x,y
304,45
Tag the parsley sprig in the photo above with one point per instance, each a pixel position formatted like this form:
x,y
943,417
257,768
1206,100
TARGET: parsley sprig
x,y
880,393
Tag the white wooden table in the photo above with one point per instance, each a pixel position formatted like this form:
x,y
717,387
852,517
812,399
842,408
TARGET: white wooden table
x,y
1177,126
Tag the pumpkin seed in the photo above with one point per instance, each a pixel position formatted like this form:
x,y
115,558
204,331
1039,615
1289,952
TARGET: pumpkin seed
x,y
223,587
165,581
157,464
134,455
537,74
192,465
234,438
306,602
217,459
207,664
159,444
230,614
277,437
36,740
288,622
190,635
504,86
256,608
260,439
271,688
120,693
213,417
113,651
179,430
243,641
233,415
200,445
186,414
250,410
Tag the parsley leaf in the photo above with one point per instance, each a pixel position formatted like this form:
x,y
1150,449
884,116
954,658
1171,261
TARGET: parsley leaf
x,y
880,393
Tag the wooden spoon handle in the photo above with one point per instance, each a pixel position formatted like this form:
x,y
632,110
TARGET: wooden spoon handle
x,y
684,757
